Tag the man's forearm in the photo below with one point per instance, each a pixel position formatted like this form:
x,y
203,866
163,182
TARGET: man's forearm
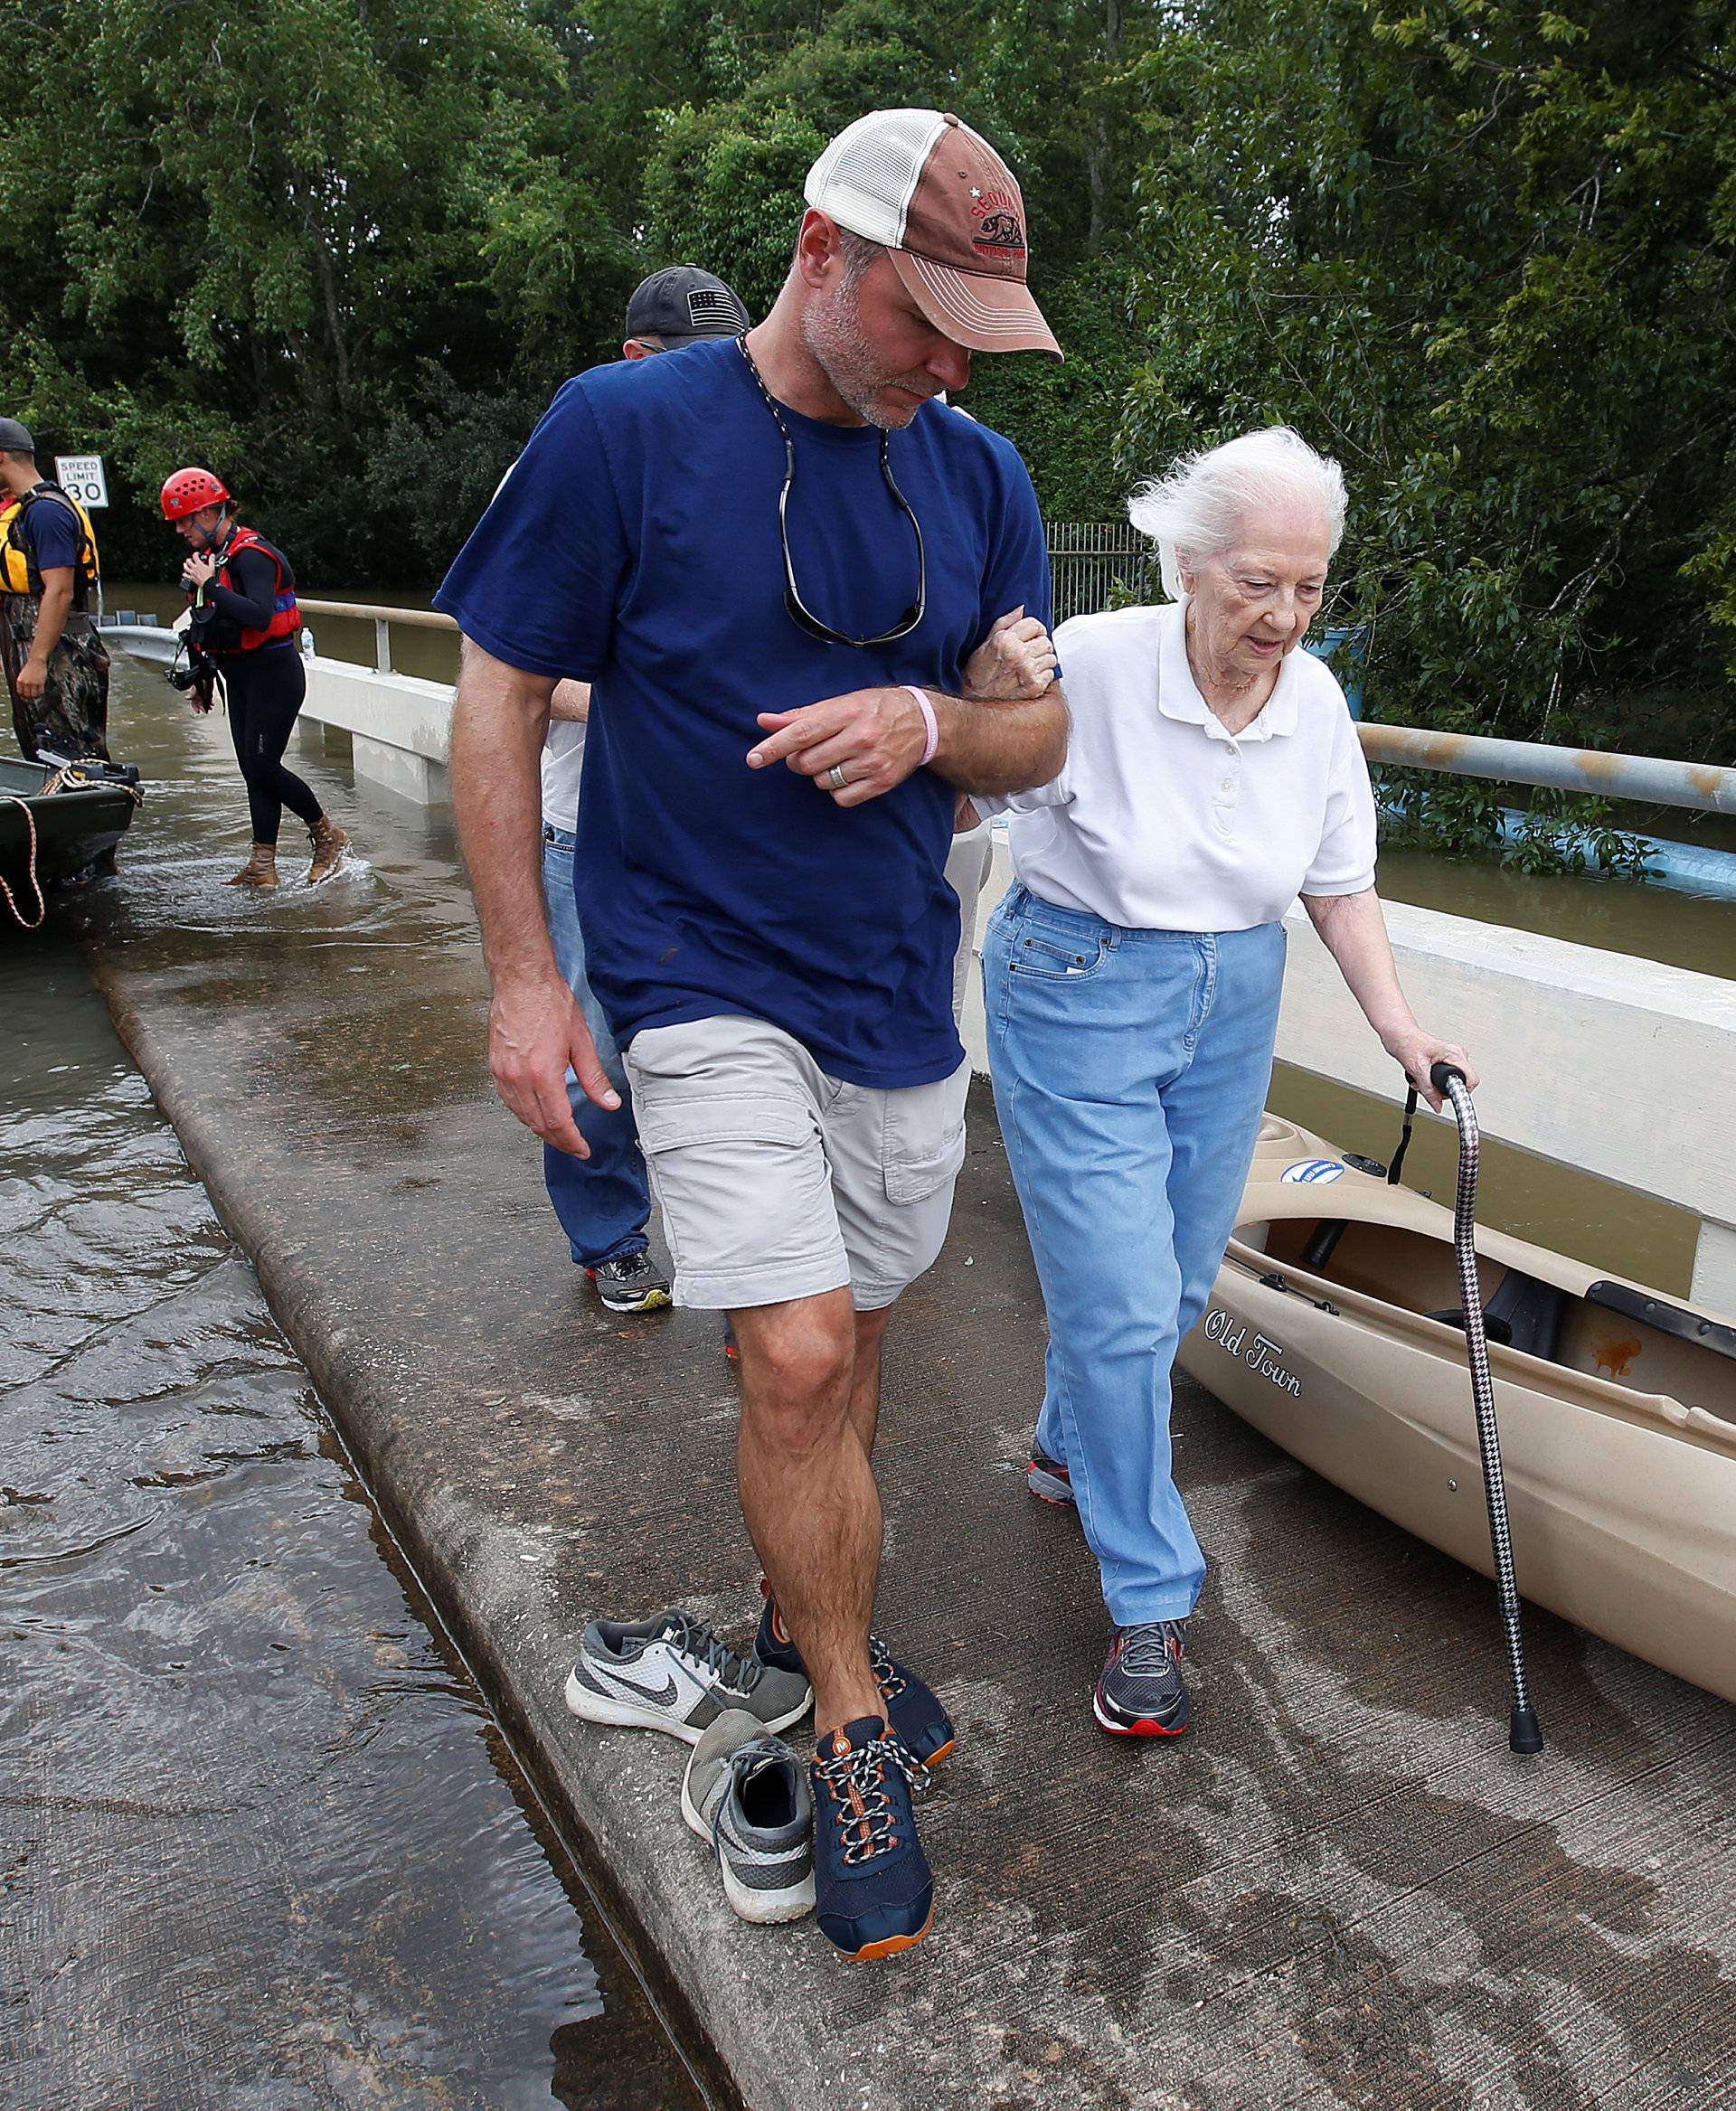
x,y
50,614
990,746
497,733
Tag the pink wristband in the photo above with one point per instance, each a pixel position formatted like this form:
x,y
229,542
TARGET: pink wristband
x,y
926,708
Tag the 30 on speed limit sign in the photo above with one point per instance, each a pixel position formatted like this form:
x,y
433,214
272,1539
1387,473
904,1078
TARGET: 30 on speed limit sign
x,y
80,476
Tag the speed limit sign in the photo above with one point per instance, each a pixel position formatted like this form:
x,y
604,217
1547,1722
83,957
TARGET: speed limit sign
x,y
80,476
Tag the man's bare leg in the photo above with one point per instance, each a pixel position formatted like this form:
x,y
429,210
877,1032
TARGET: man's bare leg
x,y
864,1387
807,1489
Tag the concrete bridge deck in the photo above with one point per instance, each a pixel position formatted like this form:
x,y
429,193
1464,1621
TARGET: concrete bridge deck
x,y
1338,1890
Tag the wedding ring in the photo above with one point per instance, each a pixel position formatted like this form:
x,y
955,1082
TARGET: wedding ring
x,y
836,778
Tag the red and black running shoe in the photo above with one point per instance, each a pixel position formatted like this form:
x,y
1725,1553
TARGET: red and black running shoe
x,y
1048,1478
1140,1691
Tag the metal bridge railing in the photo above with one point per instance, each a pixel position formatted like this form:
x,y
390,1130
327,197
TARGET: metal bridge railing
x,y
1654,779
383,620
1091,559
1092,563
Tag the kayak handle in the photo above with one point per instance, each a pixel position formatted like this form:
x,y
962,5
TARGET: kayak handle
x,y
1440,1073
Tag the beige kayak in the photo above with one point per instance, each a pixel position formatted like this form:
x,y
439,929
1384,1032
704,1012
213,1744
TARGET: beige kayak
x,y
1334,1329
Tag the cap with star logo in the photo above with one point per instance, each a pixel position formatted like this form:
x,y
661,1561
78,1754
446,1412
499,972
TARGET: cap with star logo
x,y
938,197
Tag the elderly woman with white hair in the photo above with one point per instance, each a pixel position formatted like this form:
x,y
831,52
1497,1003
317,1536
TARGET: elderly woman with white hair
x,y
1132,978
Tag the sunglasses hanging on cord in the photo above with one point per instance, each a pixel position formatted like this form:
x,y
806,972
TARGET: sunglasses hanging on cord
x,y
797,611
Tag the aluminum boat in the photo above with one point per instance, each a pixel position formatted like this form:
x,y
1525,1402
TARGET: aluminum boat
x,y
63,830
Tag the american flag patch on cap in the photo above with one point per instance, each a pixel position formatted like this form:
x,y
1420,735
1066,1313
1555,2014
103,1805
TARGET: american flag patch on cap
x,y
708,305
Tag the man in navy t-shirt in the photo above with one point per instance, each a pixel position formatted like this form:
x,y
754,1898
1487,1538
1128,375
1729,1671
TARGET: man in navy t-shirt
x,y
771,559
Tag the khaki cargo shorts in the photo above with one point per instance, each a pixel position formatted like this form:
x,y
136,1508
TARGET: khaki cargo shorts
x,y
778,1181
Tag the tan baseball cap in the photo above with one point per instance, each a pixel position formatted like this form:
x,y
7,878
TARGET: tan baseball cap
x,y
936,194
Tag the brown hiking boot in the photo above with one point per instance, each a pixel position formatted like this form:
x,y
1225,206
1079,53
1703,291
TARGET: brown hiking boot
x,y
329,843
261,870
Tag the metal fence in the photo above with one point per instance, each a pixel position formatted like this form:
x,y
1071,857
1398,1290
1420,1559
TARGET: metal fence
x,y
1092,563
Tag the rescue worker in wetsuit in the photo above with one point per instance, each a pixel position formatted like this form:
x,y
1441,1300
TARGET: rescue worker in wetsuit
x,y
245,622
56,667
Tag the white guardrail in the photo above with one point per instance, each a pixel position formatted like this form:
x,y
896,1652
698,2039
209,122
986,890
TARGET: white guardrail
x,y
399,725
1619,1066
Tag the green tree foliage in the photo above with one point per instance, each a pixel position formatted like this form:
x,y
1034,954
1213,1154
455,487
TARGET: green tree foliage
x,y
345,252
1481,250
251,237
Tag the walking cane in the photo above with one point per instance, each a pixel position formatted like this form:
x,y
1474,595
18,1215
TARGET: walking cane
x,y
1523,1733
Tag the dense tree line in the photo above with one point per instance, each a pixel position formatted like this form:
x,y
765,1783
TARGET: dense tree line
x,y
343,250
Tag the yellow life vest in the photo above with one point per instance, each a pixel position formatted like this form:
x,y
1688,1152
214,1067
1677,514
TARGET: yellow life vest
x,y
18,569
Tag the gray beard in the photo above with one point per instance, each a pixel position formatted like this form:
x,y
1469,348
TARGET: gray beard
x,y
832,336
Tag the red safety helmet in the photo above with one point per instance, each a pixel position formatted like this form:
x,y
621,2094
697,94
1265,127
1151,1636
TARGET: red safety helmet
x,y
190,491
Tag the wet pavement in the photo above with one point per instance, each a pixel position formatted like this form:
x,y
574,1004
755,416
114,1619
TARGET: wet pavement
x,y
257,1847
1338,1890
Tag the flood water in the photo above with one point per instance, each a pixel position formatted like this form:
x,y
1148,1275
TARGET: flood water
x,y
261,1846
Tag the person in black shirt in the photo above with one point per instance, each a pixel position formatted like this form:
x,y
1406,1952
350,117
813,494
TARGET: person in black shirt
x,y
245,624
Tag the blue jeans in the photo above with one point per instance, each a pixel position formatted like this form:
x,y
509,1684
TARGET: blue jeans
x,y
1130,1070
603,1201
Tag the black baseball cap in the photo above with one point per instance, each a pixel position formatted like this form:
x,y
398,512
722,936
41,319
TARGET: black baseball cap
x,y
15,439
681,304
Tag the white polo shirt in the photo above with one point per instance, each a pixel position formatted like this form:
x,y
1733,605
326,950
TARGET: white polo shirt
x,y
1161,819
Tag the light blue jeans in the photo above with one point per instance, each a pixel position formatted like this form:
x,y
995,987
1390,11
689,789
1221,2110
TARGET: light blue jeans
x,y
1131,1071
603,1201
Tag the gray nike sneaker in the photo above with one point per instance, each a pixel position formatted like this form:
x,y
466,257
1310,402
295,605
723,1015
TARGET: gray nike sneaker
x,y
672,1672
748,1800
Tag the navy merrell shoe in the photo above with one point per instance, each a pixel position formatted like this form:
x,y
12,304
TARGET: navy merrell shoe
x,y
1048,1478
912,1707
874,1894
1140,1690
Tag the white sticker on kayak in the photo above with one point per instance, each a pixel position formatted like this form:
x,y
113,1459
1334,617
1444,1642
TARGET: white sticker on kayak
x,y
1313,1172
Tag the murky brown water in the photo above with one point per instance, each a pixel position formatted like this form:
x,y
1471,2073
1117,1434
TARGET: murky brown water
x,y
260,1849
1617,916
